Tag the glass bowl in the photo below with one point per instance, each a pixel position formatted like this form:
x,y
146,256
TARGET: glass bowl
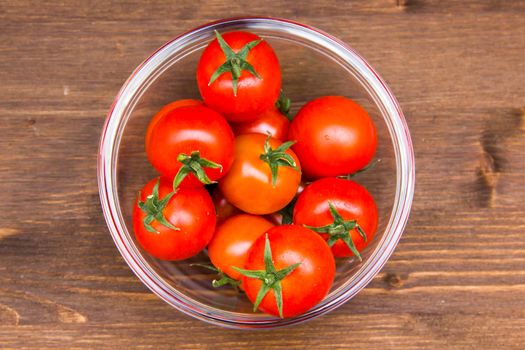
x,y
313,64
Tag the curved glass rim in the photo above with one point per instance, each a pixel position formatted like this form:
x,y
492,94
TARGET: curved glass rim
x,y
371,81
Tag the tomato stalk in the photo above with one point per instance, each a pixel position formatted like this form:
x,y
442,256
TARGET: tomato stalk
x,y
287,212
222,280
194,164
153,207
277,157
283,105
235,62
340,229
270,277
368,167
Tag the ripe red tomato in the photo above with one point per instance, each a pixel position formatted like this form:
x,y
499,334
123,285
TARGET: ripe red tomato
x,y
270,122
223,208
232,241
251,184
193,143
273,121
173,225
353,210
239,75
165,110
289,270
334,135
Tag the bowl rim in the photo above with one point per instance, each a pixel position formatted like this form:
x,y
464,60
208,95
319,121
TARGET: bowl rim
x,y
405,184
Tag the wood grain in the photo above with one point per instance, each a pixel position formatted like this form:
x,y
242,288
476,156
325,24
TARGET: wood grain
x,y
457,278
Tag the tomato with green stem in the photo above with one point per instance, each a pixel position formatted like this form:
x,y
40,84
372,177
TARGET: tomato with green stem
x,y
274,121
173,225
335,136
233,239
192,145
342,211
289,270
239,75
264,176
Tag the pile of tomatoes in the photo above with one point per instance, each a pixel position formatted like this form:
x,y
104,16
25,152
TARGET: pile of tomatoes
x,y
268,195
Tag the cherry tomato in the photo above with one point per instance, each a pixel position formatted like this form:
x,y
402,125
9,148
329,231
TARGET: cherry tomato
x,y
232,241
334,135
251,185
239,75
293,267
193,144
353,215
165,110
223,208
173,225
271,121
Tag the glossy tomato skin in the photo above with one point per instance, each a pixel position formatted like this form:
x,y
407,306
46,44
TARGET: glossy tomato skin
x,y
335,136
308,284
165,110
254,95
187,129
223,208
190,209
350,199
271,121
248,184
233,239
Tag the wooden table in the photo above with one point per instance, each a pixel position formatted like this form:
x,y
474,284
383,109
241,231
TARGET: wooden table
x,y
457,278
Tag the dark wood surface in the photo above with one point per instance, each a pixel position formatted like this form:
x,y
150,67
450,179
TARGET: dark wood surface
x,y
457,278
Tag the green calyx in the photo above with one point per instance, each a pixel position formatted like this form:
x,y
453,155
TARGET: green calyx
x,y
194,164
283,105
153,207
222,279
277,157
235,62
270,277
340,229
287,212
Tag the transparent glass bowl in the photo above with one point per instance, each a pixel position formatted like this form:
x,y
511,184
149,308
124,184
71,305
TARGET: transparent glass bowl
x,y
313,64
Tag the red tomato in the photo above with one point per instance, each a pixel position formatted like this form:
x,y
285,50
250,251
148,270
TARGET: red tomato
x,y
165,110
295,268
334,135
271,121
353,204
251,185
239,75
173,227
189,138
223,208
232,241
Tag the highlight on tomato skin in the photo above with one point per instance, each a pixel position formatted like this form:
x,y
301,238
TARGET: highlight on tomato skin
x,y
335,136
173,225
328,200
239,84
